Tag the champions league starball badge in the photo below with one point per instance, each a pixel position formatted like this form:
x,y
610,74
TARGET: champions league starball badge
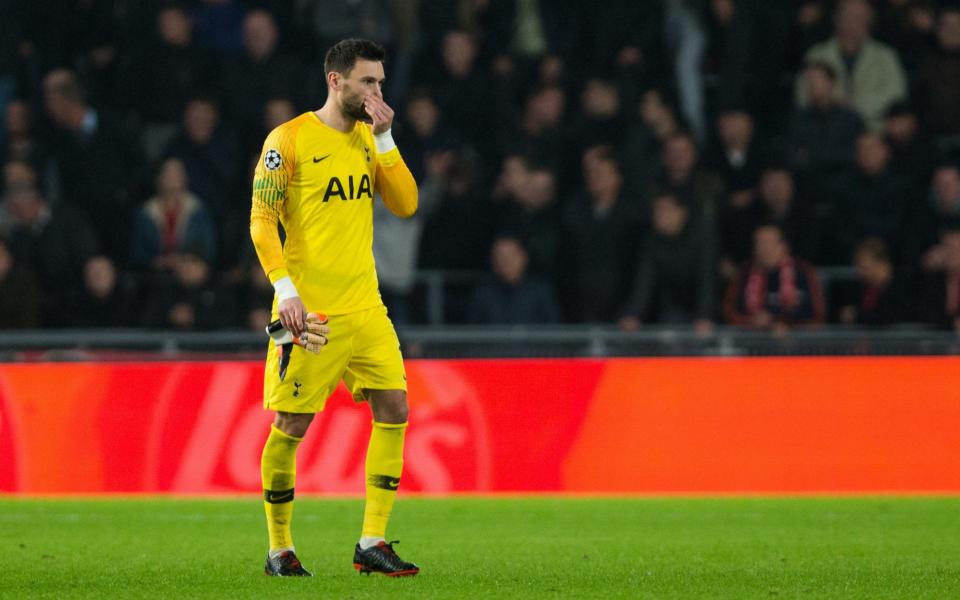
x,y
272,160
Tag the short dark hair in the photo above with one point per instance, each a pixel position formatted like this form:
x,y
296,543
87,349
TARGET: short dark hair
x,y
343,55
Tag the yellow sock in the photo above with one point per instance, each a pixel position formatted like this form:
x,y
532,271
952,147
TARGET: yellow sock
x,y
383,467
278,469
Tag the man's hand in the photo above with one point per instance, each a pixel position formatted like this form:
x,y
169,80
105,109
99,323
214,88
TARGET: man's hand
x,y
292,312
380,113
312,339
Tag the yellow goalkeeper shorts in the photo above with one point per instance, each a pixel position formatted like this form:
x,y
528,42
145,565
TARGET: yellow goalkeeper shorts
x,y
362,350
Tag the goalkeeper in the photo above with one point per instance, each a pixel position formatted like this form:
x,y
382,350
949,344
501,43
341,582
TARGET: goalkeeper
x,y
317,176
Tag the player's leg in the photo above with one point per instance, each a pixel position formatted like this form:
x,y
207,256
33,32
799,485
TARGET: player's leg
x,y
376,374
278,470
384,463
384,466
308,381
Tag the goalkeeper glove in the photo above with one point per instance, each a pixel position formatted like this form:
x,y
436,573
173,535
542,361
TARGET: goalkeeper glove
x,y
312,339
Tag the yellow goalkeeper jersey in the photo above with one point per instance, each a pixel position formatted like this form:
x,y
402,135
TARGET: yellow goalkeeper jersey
x,y
319,183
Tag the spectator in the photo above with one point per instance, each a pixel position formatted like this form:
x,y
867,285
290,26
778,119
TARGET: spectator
x,y
97,160
261,71
533,216
461,88
20,297
422,132
821,136
457,234
54,244
938,79
512,296
683,177
942,287
881,297
676,275
738,155
869,74
775,291
874,198
187,298
601,120
776,202
21,143
600,233
644,141
211,156
170,70
106,298
929,219
541,129
912,154
171,222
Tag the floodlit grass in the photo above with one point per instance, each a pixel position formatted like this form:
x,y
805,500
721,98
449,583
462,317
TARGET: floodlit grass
x,y
524,547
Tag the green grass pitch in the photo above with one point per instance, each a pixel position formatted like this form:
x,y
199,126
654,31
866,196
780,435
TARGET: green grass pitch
x,y
506,547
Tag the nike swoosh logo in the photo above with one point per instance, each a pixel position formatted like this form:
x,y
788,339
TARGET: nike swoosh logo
x,y
393,483
316,160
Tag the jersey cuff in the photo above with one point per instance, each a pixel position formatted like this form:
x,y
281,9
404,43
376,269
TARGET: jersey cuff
x,y
285,289
384,142
276,274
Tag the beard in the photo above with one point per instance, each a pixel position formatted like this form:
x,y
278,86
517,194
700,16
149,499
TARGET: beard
x,y
354,110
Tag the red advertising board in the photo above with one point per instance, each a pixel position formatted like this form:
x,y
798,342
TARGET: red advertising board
x,y
770,425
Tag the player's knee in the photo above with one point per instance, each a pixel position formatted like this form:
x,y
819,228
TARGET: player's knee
x,y
389,406
295,424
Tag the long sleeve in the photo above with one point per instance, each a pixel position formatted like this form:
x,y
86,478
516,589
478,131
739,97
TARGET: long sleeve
x,y
273,172
396,184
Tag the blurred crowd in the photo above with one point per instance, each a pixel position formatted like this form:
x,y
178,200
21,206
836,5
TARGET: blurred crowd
x,y
692,162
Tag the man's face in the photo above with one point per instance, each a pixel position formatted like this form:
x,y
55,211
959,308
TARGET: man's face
x,y
174,27
872,154
423,115
819,86
509,260
604,180
200,120
776,188
259,34
172,178
869,267
539,190
100,277
363,80
24,205
669,216
769,249
600,99
680,155
853,21
459,52
948,31
946,188
901,128
57,104
735,127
